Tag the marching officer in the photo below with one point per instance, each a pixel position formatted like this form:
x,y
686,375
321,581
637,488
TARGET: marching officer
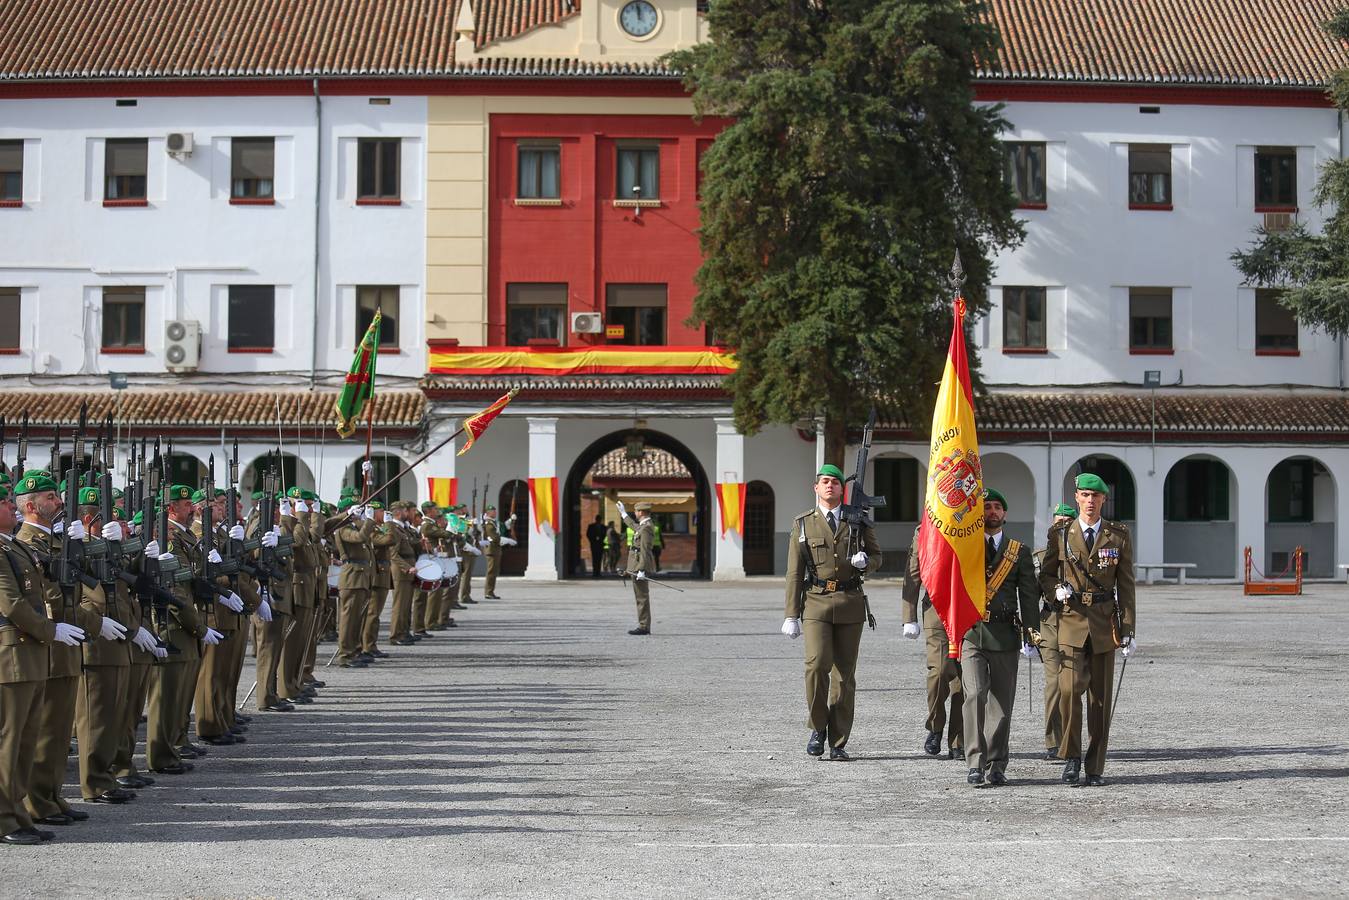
x,y
299,630
1049,656
352,540
404,563
640,561
384,541
943,673
825,601
1088,569
491,548
470,551
988,655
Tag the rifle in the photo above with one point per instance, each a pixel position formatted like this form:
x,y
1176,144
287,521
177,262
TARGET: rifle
x,y
856,509
237,548
473,507
206,586
68,566
22,448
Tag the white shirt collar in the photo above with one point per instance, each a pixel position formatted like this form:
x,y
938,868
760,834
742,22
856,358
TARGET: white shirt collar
x,y
1082,524
997,540
825,511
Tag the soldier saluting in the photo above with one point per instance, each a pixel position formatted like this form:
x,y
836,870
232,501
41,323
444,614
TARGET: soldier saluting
x,y
1088,570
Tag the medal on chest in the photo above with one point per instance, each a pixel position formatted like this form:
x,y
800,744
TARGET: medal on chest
x,y
1107,557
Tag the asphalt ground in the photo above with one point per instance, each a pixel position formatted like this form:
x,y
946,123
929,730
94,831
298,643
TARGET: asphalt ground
x,y
539,751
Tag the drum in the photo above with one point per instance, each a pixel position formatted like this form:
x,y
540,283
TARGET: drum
x,y
429,572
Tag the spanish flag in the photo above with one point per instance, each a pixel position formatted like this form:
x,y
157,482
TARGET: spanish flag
x,y
475,425
543,491
951,536
444,491
731,497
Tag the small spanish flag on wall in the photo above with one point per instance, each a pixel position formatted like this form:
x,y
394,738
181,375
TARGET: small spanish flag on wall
x,y
731,498
543,491
444,491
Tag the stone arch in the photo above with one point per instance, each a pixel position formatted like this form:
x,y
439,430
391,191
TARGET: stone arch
x,y
1199,514
1122,505
1300,511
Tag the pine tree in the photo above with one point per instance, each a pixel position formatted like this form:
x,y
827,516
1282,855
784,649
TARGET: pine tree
x,y
855,166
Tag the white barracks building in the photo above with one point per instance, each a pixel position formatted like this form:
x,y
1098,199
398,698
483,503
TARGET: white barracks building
x,y
211,201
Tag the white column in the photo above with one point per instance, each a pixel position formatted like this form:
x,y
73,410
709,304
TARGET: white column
x,y
542,464
441,463
1150,530
729,561
1249,476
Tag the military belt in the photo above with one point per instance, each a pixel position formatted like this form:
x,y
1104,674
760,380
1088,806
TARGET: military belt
x,y
1088,598
831,585
356,562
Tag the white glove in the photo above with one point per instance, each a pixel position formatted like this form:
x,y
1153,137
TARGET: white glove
x,y
76,530
472,549
234,603
367,467
641,575
265,611
160,652
165,557
212,637
509,522
112,531
214,557
912,629
622,510
152,550
236,532
859,560
791,628
269,538
58,527
484,543
145,640
509,542
1028,651
286,508
1129,647
112,631
68,634
1063,593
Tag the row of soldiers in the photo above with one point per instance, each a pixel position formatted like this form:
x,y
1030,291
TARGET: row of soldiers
x,y
105,617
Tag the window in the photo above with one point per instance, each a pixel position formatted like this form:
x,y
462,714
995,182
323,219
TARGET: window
x,y
540,172
1026,171
1023,318
384,298
639,168
1196,491
1150,175
377,170
124,319
640,309
1290,491
124,167
11,171
252,318
536,312
1275,325
897,482
252,168
1276,178
1149,319
10,302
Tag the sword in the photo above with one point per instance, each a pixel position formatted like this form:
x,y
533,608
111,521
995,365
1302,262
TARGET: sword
x,y
650,579
1119,684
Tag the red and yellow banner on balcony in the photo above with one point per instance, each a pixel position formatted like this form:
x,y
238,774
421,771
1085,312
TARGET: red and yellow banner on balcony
x,y
444,491
731,499
951,535
601,360
543,493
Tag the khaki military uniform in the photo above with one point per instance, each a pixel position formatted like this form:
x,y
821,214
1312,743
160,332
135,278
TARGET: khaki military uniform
x,y
429,603
1086,625
299,630
384,541
212,699
641,559
358,570
138,690
470,561
25,632
100,710
172,685
1052,664
491,533
832,617
269,637
404,558
943,672
989,653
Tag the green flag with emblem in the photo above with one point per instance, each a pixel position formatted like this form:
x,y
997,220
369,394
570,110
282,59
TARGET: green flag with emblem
x,y
359,388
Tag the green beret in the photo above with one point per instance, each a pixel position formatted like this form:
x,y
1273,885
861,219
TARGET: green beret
x,y
1063,509
995,494
375,504
178,492
117,513
1089,482
258,495
308,495
4,476
4,490
489,507
118,494
88,496
34,481
138,518
830,469
345,503
428,505
199,495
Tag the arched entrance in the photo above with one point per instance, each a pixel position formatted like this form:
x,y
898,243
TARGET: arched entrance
x,y
691,481
383,467
1122,504
759,517
1013,479
294,471
1300,512
1197,511
514,497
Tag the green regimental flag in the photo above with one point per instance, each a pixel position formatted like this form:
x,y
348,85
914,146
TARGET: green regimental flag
x,y
360,385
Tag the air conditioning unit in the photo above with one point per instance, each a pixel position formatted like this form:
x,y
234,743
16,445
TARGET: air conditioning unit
x,y
587,323
1280,221
182,346
179,143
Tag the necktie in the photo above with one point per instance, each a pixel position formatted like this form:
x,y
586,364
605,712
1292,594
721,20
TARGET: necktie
x,y
991,552
833,522
1089,535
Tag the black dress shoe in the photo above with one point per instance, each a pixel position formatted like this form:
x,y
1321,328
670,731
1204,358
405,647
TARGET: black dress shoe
x,y
181,768
185,753
43,834
190,747
1052,756
309,692
240,739
368,657
815,746
302,699
315,683
356,663
220,740
640,631
436,628
838,754
955,752
57,819
114,796
24,837
452,624
379,654
280,706
1071,769
76,815
932,746
242,719
997,778
422,634
470,600
404,642
1094,781
132,782
975,777
238,730
491,597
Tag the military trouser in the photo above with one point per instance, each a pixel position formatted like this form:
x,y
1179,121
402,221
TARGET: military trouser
x,y
20,723
466,577
419,598
597,558
329,614
53,746
641,591
989,681
294,650
1049,653
489,582
436,599
324,616
169,682
943,681
237,650
400,617
212,697
374,608
182,735
138,688
267,641
100,712
1093,674
831,683
350,617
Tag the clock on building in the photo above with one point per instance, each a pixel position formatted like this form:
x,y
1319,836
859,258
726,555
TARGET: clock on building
x,y
638,18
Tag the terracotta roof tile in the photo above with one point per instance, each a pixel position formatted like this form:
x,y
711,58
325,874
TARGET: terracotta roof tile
x,y
656,463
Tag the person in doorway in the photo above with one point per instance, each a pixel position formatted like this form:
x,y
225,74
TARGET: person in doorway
x,y
595,534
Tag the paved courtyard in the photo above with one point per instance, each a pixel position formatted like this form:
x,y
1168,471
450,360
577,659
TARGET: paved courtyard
x,y
539,750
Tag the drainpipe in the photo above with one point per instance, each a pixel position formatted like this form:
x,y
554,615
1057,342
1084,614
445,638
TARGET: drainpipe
x,y
318,206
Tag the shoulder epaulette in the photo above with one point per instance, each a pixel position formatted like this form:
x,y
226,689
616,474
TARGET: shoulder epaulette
x,y
803,515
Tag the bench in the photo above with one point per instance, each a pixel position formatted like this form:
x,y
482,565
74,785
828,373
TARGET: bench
x,y
1345,567
1151,570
